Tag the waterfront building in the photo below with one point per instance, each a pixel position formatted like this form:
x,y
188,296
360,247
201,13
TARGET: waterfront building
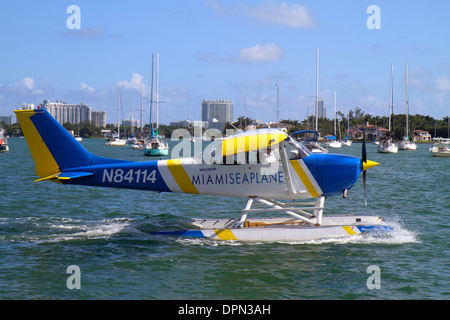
x,y
64,112
217,113
98,118
130,123
6,120
421,136
321,109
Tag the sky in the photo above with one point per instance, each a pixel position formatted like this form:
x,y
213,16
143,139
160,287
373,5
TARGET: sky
x,y
233,50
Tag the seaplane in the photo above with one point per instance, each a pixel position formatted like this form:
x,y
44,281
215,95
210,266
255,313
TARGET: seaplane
x,y
278,177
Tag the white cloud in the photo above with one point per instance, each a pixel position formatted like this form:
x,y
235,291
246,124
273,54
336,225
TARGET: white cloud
x,y
260,53
134,83
28,83
270,12
84,86
96,32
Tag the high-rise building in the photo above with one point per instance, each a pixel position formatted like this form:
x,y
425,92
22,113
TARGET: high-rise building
x,y
99,118
221,110
321,109
217,113
64,112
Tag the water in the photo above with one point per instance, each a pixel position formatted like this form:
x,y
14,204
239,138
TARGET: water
x,y
47,227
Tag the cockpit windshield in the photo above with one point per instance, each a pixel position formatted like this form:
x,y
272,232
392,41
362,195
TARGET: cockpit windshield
x,y
295,150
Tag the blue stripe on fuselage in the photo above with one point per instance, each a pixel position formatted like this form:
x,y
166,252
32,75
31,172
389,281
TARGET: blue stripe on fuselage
x,y
143,175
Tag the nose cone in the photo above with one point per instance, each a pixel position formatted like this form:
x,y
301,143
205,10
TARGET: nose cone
x,y
369,164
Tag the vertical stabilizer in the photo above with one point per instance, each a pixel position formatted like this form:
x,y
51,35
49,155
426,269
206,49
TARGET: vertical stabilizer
x,y
53,148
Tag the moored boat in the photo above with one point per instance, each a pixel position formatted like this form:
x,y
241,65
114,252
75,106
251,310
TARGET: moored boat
x,y
3,142
441,148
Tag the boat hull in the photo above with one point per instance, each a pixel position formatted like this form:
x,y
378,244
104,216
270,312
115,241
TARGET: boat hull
x,y
407,146
120,142
388,149
440,154
156,152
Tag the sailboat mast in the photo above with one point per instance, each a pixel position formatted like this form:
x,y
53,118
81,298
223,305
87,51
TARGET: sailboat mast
x,y
157,91
391,107
118,106
407,105
278,102
317,87
151,99
140,109
335,114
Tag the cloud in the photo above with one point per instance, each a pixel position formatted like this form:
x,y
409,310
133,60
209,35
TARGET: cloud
x,y
84,86
28,83
134,83
96,32
260,53
13,95
270,12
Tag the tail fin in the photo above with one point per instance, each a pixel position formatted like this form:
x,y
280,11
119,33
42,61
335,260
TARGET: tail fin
x,y
53,148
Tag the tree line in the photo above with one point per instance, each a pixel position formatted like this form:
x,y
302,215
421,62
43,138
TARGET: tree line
x,y
437,128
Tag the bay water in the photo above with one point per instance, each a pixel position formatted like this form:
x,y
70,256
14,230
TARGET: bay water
x,y
47,228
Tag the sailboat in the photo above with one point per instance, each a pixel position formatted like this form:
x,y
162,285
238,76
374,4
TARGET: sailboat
x,y
347,142
405,144
77,137
314,145
388,146
155,146
334,143
116,140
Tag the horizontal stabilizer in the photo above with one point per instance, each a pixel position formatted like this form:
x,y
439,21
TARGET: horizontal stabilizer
x,y
66,176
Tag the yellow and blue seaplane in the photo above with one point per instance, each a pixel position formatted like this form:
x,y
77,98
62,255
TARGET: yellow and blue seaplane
x,y
272,171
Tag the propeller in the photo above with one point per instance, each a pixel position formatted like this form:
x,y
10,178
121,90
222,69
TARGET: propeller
x,y
364,160
367,164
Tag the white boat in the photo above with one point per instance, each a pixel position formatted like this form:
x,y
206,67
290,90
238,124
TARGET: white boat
x,y
388,145
116,140
347,143
440,148
3,142
334,144
405,144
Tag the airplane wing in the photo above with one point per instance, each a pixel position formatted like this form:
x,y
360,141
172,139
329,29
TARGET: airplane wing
x,y
251,141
